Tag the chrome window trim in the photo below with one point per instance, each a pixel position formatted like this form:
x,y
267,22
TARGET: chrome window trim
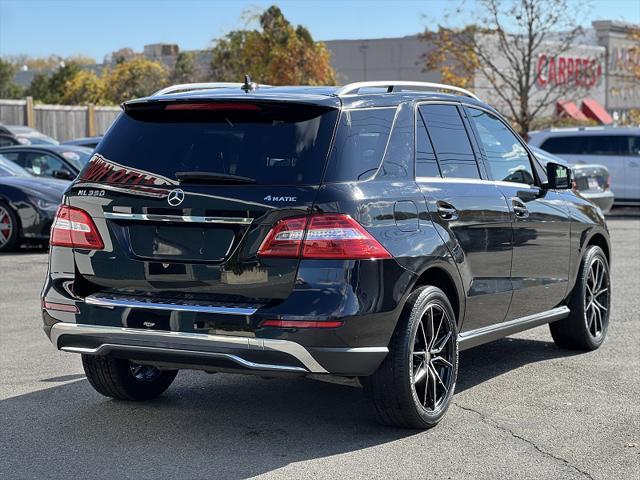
x,y
150,217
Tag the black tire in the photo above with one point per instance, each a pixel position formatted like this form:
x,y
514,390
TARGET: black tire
x,y
586,326
9,220
398,401
113,377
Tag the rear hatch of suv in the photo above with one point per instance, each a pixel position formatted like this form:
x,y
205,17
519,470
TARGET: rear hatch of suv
x,y
184,193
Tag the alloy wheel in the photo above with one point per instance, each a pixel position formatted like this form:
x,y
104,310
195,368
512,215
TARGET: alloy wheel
x,y
6,226
597,298
432,358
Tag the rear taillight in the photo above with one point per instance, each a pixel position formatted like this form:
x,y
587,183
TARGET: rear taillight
x,y
73,227
326,236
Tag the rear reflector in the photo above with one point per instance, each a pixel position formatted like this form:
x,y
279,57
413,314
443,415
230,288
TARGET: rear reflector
x,y
300,324
61,307
213,106
326,236
73,227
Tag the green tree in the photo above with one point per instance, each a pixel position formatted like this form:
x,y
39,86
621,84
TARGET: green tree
x,y
51,88
184,70
277,53
135,78
8,88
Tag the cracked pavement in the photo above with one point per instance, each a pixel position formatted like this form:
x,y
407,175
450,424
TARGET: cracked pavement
x,y
523,408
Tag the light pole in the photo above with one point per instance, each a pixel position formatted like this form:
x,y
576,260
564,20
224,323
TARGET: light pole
x,y
363,50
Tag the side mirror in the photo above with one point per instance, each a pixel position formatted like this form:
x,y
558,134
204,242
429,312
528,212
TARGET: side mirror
x,y
63,174
558,177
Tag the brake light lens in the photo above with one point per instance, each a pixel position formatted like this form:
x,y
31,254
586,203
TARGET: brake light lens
x,y
74,228
213,106
326,236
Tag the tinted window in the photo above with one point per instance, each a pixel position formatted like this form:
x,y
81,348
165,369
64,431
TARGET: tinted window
x,y
450,141
426,164
10,169
360,143
507,159
78,158
634,145
592,144
271,143
13,156
43,164
6,141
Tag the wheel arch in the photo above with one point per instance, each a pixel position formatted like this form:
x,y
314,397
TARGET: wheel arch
x,y
598,239
441,277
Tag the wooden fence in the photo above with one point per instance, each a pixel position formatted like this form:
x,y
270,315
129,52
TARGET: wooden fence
x,y
62,122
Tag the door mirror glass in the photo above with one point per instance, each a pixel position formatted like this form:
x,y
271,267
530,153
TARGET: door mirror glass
x,y
559,176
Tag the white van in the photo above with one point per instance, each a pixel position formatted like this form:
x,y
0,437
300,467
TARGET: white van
x,y
616,148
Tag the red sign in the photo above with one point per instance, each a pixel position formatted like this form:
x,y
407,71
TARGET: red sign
x,y
565,70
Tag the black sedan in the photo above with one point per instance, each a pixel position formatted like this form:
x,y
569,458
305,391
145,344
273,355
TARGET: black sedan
x,y
27,205
57,161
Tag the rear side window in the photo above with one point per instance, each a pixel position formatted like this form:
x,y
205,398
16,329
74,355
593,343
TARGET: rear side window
x,y
450,141
360,143
275,144
593,145
426,164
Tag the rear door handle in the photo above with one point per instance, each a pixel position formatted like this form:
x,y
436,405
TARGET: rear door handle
x,y
519,208
447,211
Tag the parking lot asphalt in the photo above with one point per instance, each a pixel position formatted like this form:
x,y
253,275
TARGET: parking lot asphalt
x,y
523,408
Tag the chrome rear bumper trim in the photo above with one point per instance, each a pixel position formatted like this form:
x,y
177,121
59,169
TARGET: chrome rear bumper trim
x,y
183,342
151,217
114,301
105,348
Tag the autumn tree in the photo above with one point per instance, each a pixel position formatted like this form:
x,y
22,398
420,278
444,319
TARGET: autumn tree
x,y
135,78
8,88
84,87
502,49
277,53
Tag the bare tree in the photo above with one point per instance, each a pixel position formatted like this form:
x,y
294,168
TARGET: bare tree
x,y
502,49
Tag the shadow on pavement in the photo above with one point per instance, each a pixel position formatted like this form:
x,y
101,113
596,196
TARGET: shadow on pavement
x,y
218,426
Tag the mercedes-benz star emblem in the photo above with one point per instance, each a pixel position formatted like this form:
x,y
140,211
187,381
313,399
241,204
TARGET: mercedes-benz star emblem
x,y
175,197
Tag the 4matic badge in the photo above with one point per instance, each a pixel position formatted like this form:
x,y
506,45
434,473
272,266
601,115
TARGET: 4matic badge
x,y
279,198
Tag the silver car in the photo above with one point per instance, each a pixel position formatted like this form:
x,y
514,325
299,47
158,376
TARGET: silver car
x,y
616,148
591,181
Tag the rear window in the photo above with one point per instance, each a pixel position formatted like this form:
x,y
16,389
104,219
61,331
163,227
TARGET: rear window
x,y
593,145
360,143
271,143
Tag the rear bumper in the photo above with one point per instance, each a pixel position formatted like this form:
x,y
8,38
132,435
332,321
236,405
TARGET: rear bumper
x,y
604,200
214,352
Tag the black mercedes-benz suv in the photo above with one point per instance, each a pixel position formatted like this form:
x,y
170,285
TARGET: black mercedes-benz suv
x,y
369,231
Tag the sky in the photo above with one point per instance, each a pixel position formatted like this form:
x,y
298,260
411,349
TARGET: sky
x,y
98,27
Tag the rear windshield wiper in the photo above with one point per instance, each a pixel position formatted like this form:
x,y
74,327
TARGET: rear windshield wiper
x,y
211,177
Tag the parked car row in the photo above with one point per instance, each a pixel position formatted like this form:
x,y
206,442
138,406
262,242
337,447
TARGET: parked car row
x,y
616,149
27,205
605,162
593,182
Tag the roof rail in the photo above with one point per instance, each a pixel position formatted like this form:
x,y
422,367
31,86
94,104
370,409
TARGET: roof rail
x,y
353,88
187,87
